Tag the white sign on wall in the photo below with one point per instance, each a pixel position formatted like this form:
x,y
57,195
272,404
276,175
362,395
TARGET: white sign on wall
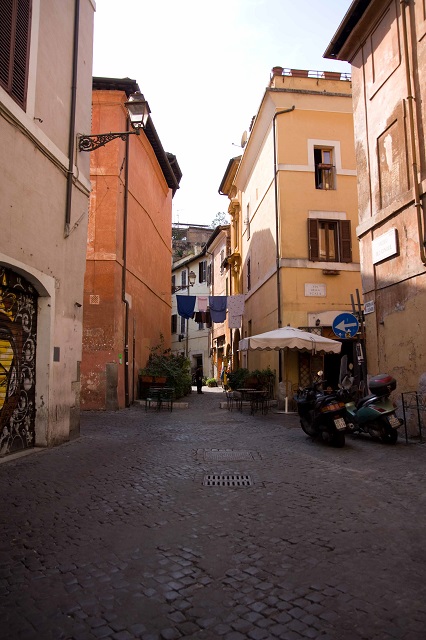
x,y
384,246
368,306
315,290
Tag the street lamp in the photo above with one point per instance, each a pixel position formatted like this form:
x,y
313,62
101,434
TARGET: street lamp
x,y
138,109
191,281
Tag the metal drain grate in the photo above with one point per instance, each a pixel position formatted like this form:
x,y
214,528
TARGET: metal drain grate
x,y
227,480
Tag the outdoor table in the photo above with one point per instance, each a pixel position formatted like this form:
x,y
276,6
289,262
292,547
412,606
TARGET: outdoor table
x,y
255,397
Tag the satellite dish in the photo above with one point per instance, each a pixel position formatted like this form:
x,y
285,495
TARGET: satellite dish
x,y
244,139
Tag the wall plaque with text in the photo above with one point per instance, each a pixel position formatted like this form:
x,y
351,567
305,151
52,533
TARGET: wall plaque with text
x,y
315,290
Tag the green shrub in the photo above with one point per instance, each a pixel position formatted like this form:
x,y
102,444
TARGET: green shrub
x,y
236,378
211,382
265,378
175,367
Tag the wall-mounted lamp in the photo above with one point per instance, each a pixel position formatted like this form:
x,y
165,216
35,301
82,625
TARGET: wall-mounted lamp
x,y
138,109
191,281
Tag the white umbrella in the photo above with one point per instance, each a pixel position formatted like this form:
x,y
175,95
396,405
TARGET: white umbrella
x,y
290,338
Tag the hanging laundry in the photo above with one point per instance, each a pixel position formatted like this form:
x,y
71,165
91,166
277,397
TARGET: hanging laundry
x,y
236,304
186,306
236,310
202,303
204,317
217,306
235,322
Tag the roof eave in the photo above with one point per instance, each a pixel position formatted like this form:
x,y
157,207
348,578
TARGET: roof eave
x,y
336,50
167,161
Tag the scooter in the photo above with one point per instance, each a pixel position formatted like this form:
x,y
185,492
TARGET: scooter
x,y
322,415
375,413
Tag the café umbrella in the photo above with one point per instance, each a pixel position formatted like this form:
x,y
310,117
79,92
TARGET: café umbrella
x,y
290,338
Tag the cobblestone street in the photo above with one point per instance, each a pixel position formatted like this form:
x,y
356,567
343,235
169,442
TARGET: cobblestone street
x,y
114,535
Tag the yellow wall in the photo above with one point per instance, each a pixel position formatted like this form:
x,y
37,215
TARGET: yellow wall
x,y
321,117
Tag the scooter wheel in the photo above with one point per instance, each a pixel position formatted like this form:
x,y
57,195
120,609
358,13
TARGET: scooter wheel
x,y
337,439
390,437
308,429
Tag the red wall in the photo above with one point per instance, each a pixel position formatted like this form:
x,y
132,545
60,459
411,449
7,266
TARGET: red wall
x,y
148,262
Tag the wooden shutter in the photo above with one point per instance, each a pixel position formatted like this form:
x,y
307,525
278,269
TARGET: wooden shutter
x,y
15,17
313,239
345,241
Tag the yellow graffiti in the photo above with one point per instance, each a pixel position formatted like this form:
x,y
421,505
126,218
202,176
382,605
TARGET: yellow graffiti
x,y
7,304
6,359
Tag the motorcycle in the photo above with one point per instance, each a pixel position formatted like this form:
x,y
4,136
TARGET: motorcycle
x,y
322,414
375,413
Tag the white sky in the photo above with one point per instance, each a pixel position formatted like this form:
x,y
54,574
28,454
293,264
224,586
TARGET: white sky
x,y
203,67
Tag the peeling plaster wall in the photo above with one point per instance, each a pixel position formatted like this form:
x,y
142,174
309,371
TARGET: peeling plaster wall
x,y
396,338
33,185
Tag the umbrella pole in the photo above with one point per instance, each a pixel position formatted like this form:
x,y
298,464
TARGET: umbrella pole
x,y
285,354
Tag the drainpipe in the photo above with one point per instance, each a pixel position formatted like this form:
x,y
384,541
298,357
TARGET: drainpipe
x,y
277,228
187,321
421,213
71,138
123,274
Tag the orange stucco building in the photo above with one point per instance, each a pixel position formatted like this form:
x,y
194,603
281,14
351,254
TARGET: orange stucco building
x,y
127,298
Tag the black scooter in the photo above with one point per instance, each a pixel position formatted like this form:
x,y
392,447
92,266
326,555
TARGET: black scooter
x,y
375,413
322,415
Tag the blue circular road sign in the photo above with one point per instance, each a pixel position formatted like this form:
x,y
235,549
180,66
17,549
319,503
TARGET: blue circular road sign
x,y
345,325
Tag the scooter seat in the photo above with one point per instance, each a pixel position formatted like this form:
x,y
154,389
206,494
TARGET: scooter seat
x,y
364,400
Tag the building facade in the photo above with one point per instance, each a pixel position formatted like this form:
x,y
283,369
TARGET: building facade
x,y
218,250
191,336
293,207
45,99
390,121
127,299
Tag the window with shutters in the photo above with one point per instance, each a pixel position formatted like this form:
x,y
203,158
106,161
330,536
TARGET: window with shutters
x,y
15,18
324,168
248,274
209,275
330,240
202,271
183,278
174,323
182,325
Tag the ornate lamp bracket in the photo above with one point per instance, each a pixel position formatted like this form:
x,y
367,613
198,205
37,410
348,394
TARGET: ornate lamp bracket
x,y
90,143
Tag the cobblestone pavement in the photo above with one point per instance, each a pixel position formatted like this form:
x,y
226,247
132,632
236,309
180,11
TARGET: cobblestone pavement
x,y
114,535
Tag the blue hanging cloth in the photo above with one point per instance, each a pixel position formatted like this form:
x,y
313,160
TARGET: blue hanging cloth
x,y
217,306
186,306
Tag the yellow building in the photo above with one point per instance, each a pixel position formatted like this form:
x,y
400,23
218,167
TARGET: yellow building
x,y
293,208
390,121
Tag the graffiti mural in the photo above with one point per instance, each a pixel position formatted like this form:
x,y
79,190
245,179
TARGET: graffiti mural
x,y
18,330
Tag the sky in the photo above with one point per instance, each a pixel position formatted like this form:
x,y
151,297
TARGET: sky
x,y
203,67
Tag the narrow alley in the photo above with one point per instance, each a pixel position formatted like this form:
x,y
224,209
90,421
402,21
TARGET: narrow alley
x,y
119,535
